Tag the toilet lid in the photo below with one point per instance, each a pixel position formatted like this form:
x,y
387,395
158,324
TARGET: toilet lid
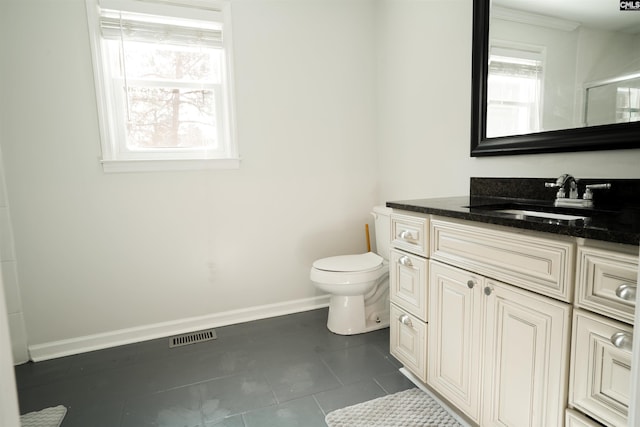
x,y
347,263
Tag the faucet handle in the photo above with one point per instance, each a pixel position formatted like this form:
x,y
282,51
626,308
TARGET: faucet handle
x,y
588,194
560,194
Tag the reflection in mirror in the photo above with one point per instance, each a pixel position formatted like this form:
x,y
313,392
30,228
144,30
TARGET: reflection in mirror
x,y
615,100
560,65
554,76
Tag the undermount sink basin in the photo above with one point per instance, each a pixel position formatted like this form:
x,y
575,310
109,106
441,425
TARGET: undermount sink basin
x,y
521,213
524,211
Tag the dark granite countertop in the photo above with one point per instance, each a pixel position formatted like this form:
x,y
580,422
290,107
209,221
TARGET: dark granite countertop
x,y
608,221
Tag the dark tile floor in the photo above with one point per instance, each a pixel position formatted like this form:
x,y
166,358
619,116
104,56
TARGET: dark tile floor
x,y
283,371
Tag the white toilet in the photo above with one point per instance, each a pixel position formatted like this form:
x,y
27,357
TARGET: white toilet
x,y
358,284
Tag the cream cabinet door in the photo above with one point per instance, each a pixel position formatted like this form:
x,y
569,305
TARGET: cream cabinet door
x,y
408,337
526,358
455,336
601,370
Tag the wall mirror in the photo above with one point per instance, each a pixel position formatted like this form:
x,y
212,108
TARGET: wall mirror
x,y
554,76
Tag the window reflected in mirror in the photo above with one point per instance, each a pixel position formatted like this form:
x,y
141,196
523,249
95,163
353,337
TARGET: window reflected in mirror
x,y
514,95
613,101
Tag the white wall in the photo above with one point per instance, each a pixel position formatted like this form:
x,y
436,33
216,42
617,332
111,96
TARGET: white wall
x,y
9,273
103,252
319,83
8,260
8,395
424,110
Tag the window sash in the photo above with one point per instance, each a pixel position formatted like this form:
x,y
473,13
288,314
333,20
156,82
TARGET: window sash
x,y
185,23
124,151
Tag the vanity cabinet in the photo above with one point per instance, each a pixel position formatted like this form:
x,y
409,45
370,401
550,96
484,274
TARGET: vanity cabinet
x,y
603,331
492,340
498,351
601,368
514,327
408,276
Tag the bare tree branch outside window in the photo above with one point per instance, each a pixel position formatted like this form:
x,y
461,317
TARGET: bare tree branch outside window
x,y
170,92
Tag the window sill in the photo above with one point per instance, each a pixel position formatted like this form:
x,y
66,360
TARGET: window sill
x,y
119,166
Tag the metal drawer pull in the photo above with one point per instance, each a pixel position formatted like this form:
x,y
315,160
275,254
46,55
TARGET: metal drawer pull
x,y
626,292
470,284
622,340
487,290
406,320
406,235
406,261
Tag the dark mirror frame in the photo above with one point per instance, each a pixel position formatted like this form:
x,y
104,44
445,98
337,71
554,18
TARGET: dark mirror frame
x,y
603,137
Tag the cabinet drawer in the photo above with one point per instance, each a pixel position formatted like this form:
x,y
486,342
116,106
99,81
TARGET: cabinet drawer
x,y
601,371
607,281
408,336
408,283
409,232
524,259
576,419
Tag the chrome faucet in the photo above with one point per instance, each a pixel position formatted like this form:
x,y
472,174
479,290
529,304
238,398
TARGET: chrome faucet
x,y
561,183
567,184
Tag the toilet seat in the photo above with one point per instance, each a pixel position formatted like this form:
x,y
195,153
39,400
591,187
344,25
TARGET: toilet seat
x,y
349,269
361,263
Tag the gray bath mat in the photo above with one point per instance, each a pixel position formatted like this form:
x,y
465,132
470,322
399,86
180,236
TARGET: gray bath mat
x,y
409,408
50,417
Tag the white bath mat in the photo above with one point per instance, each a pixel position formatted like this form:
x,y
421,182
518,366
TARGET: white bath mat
x,y
50,417
409,408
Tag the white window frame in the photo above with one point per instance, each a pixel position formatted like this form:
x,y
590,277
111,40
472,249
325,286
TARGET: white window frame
x,y
115,155
528,52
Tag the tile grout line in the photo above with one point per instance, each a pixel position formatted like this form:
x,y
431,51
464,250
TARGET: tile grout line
x,y
332,372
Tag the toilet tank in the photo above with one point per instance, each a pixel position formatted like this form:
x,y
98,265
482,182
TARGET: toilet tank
x,y
382,225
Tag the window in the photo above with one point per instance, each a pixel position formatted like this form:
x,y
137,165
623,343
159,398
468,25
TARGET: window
x,y
612,100
514,100
628,104
163,82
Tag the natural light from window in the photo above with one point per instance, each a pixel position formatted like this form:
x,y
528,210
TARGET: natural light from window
x,y
513,92
164,84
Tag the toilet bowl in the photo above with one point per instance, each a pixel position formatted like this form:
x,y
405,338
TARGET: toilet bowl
x,y
358,284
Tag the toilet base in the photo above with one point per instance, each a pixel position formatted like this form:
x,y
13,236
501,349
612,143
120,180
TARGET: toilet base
x,y
347,316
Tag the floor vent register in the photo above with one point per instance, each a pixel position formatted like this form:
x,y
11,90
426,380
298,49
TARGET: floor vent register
x,y
192,338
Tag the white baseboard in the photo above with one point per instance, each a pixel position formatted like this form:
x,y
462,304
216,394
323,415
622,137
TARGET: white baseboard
x,y
54,349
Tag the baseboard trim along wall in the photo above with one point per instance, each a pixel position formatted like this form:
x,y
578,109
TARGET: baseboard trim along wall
x,y
54,349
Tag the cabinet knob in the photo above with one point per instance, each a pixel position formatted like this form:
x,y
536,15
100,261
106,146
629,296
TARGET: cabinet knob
x,y
487,290
406,235
405,260
622,340
626,292
405,320
470,284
